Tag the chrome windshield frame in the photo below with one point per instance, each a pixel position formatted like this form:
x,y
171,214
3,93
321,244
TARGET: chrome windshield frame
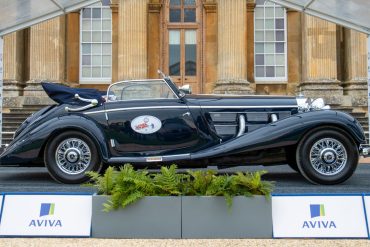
x,y
141,80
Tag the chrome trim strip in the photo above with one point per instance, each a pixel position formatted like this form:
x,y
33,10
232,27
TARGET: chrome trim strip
x,y
146,159
247,107
206,107
243,112
136,108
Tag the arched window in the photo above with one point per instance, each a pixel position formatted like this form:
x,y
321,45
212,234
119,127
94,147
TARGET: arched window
x,y
270,45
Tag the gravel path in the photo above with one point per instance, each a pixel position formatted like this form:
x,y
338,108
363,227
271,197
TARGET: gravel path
x,y
35,242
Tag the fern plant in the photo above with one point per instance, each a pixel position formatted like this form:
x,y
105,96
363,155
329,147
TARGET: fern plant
x,y
127,185
168,181
104,184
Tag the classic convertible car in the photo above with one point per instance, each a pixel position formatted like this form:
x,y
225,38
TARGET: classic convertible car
x,y
149,123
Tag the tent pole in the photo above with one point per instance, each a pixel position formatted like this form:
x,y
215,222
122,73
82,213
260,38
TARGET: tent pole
x,y
368,82
1,89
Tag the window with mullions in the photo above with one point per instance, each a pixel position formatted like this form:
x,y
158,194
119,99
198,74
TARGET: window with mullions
x,y
96,43
270,42
183,11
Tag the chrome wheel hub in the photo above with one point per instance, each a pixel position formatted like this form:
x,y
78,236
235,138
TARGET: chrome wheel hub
x,y
328,156
73,156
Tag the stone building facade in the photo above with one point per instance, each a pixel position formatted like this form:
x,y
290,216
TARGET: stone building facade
x,y
216,46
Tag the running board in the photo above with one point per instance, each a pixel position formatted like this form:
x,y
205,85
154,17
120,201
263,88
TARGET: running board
x,y
165,158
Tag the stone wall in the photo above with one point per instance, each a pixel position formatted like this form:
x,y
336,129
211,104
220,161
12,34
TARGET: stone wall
x,y
324,60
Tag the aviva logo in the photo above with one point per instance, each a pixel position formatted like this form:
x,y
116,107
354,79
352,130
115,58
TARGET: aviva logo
x,y
47,209
317,210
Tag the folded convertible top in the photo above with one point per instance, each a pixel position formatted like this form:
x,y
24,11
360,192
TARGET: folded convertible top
x,y
66,95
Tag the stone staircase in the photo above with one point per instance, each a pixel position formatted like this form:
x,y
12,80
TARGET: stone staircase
x,y
13,119
16,116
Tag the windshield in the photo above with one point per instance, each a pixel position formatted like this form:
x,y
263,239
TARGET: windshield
x,y
140,90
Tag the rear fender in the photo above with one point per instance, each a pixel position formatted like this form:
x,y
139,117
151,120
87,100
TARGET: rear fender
x,y
31,144
285,132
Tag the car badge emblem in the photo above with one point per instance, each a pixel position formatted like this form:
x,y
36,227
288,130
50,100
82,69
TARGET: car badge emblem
x,y
146,124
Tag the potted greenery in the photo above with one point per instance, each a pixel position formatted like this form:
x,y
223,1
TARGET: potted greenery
x,y
196,204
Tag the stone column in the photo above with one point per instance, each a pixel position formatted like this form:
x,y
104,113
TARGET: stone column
x,y
355,64
294,50
319,60
47,55
232,59
73,48
132,36
114,7
154,34
210,47
13,64
251,4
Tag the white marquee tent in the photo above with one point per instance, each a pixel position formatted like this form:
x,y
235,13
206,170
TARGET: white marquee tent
x,y
19,14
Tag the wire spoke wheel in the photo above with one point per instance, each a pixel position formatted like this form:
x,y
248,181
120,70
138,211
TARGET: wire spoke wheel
x,y
73,156
328,156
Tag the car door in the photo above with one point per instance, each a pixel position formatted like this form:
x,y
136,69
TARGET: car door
x,y
147,126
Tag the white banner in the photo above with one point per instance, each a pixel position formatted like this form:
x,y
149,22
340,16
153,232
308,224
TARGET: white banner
x,y
367,207
1,205
46,215
318,217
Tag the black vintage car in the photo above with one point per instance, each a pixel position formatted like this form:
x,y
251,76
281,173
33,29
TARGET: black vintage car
x,y
151,122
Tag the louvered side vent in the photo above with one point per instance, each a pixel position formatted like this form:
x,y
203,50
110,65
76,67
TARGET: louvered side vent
x,y
258,117
223,117
225,130
256,120
225,124
284,114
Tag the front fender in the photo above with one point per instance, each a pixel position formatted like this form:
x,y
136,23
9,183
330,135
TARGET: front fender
x,y
29,145
285,132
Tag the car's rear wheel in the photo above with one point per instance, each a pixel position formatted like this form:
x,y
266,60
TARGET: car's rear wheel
x,y
70,155
327,157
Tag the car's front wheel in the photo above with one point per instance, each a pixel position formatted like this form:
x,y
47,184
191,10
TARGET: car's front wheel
x,y
327,156
70,155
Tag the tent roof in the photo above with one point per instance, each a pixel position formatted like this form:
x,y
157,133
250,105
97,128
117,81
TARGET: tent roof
x,y
353,14
19,14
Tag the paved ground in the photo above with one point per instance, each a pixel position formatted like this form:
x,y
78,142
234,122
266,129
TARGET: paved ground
x,y
35,242
14,179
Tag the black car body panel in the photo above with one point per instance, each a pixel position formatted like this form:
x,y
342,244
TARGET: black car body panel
x,y
195,130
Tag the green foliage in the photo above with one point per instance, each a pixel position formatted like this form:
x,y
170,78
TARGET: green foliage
x,y
105,183
168,181
126,186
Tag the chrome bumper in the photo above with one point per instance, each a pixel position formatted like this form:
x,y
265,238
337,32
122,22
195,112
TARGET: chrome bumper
x,y
364,150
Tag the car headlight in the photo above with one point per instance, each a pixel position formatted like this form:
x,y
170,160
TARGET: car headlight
x,y
319,104
305,104
302,103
